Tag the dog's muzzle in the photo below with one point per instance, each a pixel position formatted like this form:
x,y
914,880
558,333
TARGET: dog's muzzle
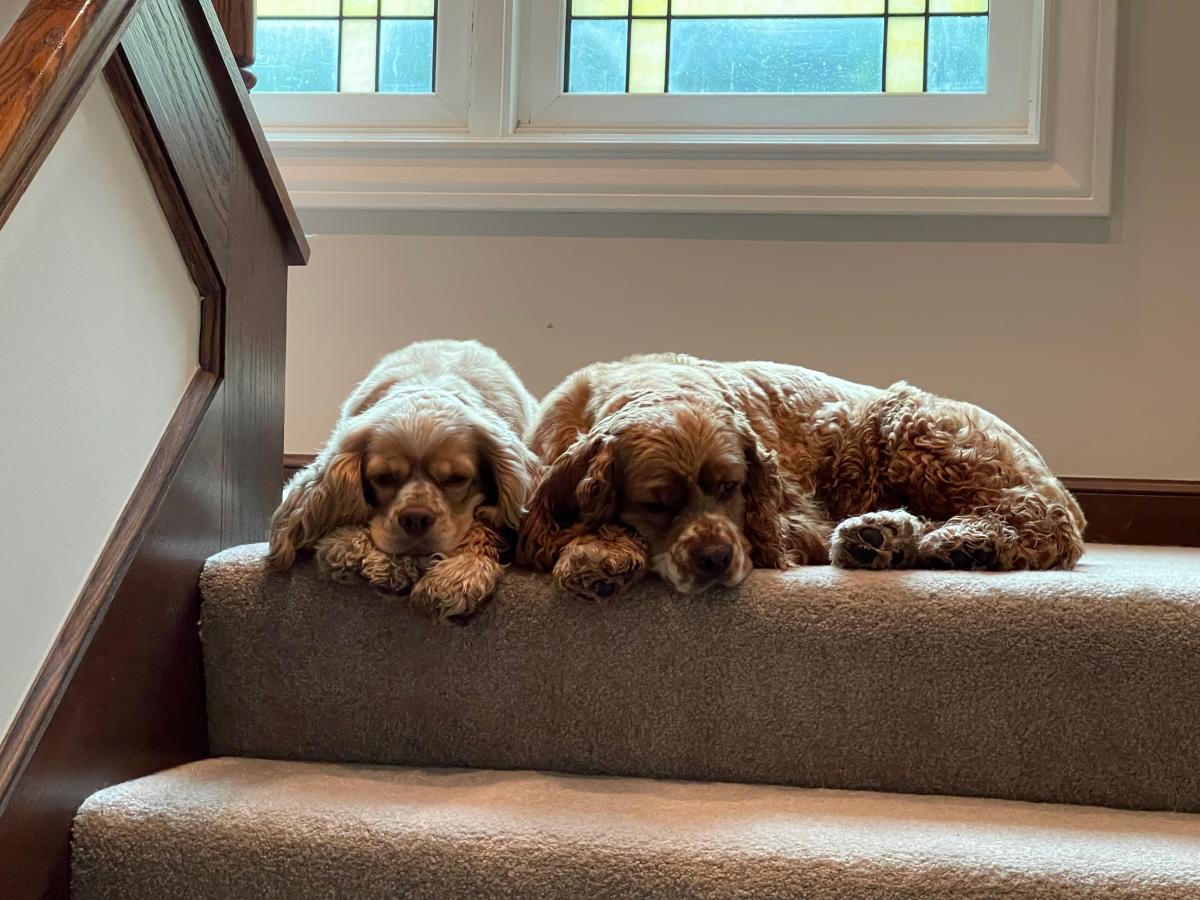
x,y
710,551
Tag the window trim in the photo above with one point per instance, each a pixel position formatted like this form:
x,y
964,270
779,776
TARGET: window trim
x,y
445,109
544,106
1063,167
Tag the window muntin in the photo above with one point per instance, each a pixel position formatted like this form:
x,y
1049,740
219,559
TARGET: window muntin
x,y
775,46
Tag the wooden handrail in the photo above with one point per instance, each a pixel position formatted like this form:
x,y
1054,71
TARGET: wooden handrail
x,y
237,21
55,50
47,60
121,691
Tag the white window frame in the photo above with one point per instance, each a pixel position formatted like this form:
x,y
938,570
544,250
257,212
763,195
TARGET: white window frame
x,y
1013,82
443,110
511,148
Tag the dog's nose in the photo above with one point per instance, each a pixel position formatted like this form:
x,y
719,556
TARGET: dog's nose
x,y
416,520
712,559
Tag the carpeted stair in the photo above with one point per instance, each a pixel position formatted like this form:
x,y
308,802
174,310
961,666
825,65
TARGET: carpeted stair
x,y
821,702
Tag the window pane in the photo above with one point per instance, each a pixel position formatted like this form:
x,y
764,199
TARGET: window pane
x,y
358,55
353,50
598,48
777,46
360,8
297,55
406,56
599,7
958,6
648,56
776,55
415,8
297,8
777,7
906,54
958,53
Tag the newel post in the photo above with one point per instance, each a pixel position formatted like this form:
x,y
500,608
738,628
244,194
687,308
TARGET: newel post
x,y
237,20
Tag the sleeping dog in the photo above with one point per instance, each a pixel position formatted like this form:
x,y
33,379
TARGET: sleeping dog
x,y
422,481
700,471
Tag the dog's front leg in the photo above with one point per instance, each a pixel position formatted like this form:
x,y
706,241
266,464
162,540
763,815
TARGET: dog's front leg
x,y
600,565
455,588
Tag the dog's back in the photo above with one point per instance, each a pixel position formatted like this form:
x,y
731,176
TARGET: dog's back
x,y
466,369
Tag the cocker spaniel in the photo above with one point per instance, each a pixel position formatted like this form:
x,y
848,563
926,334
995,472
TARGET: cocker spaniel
x,y
699,471
422,482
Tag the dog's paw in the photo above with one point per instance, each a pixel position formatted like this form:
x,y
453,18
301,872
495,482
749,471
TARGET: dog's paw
x,y
599,567
393,574
878,540
972,543
455,588
341,553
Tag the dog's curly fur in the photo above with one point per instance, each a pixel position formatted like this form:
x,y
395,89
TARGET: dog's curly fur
x,y
695,463
422,480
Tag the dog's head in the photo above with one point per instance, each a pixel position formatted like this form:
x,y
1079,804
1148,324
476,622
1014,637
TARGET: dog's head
x,y
689,476
418,468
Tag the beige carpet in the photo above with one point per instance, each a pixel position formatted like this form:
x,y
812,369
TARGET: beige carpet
x,y
1077,687
237,829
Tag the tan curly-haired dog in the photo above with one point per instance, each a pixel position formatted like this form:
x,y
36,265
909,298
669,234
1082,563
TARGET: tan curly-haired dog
x,y
701,470
422,478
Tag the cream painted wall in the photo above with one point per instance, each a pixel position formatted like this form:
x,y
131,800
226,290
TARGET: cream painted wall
x,y
99,330
1084,334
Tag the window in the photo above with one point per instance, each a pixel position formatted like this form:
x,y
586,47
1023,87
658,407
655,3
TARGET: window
x,y
776,46
346,45
786,105
362,64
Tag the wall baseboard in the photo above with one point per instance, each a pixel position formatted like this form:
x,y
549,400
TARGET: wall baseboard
x,y
1139,511
1118,510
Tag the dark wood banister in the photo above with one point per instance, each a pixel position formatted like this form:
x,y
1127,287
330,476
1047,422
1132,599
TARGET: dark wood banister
x,y
47,59
237,21
120,692
56,48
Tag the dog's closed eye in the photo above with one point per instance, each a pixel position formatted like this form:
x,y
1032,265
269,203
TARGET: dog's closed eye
x,y
725,489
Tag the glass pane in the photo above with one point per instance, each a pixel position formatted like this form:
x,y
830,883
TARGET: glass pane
x,y
360,7
297,8
776,55
906,54
649,7
906,6
958,54
958,6
648,56
599,7
296,55
406,56
358,55
408,8
776,7
598,56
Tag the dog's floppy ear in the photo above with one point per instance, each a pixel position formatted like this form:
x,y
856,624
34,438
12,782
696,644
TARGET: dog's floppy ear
x,y
765,527
764,499
578,488
785,523
513,467
321,496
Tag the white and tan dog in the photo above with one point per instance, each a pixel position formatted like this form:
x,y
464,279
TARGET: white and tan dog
x,y
423,481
